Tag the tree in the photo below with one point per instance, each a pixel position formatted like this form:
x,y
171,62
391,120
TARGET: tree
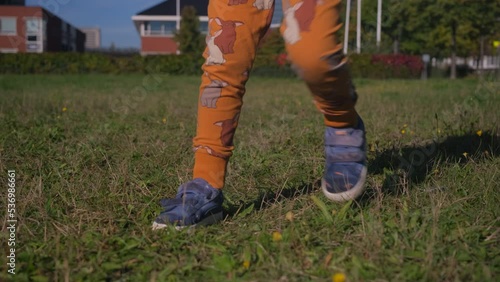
x,y
189,36
392,23
485,19
112,47
441,28
272,44
445,28
394,15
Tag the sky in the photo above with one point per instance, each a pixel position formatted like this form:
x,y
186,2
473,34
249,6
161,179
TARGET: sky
x,y
114,17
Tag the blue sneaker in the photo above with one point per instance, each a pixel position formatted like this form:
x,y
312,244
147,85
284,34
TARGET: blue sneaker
x,y
345,172
196,203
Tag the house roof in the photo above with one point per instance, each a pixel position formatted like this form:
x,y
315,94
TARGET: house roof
x,y
168,8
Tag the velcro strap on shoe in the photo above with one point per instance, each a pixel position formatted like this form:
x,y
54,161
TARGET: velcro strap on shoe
x,y
354,139
349,155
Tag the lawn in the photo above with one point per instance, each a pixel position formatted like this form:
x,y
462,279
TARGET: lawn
x,y
94,154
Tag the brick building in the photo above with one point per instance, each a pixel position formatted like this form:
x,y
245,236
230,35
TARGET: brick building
x,y
12,2
36,30
92,37
158,24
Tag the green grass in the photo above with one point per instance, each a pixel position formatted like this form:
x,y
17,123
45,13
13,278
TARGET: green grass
x,y
90,177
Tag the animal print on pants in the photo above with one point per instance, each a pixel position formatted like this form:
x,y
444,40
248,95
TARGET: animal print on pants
x,y
235,30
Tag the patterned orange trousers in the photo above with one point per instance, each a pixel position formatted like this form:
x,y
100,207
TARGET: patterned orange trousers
x,y
235,30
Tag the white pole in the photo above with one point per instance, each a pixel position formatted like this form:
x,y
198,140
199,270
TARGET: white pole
x,y
178,14
358,31
379,23
346,32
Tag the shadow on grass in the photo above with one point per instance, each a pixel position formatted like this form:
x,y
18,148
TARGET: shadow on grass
x,y
412,164
267,198
402,166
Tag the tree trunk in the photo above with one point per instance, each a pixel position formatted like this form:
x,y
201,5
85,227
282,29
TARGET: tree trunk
x,y
395,46
397,40
453,71
481,57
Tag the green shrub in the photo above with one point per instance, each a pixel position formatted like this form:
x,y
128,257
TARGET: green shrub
x,y
383,66
265,64
74,63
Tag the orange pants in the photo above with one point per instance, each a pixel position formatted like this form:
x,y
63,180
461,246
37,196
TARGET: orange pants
x,y
235,30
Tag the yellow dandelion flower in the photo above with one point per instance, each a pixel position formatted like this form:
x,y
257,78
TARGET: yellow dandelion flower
x,y
338,277
246,264
64,109
403,131
289,216
405,125
164,120
479,132
277,236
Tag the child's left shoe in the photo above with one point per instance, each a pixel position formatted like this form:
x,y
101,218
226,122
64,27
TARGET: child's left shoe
x,y
345,172
196,203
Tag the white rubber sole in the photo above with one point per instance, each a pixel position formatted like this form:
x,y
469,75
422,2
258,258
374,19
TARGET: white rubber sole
x,y
352,194
214,218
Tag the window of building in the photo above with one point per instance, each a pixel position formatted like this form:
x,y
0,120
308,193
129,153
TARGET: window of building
x,y
160,27
8,26
64,34
34,34
204,27
33,26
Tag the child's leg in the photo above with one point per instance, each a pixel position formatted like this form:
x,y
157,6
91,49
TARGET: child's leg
x,y
235,29
309,30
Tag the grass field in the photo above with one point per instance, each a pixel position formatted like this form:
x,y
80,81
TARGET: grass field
x,y
93,156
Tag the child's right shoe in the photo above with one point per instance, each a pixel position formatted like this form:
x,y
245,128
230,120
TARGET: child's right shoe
x,y
345,171
196,203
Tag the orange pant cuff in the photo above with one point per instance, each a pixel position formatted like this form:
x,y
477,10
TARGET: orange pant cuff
x,y
210,168
345,119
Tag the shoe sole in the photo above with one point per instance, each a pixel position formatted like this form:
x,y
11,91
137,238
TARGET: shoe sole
x,y
352,194
211,219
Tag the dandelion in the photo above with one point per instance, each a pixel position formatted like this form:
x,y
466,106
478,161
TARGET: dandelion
x,y
164,120
64,109
246,264
479,132
405,125
338,277
289,216
277,236
403,131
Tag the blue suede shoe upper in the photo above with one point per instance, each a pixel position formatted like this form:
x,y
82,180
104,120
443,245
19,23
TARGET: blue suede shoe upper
x,y
194,201
345,150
